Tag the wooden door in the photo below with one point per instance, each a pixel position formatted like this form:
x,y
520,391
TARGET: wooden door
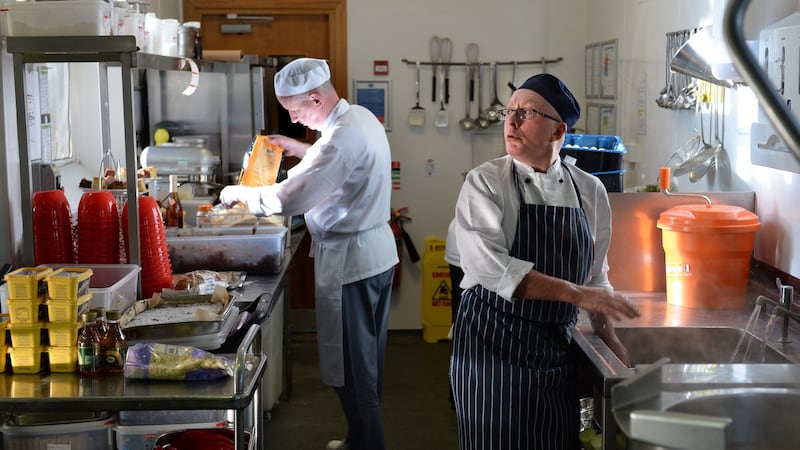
x,y
312,28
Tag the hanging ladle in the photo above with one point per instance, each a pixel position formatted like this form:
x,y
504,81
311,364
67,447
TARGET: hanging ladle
x,y
467,123
702,160
709,154
496,104
481,121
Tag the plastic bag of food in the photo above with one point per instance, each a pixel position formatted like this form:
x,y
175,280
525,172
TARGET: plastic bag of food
x,y
262,162
153,361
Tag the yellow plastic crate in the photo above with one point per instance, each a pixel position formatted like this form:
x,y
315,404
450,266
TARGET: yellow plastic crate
x,y
26,360
26,334
27,282
24,310
67,311
63,359
68,283
62,334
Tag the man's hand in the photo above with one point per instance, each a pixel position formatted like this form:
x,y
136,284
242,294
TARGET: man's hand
x,y
250,196
291,147
607,302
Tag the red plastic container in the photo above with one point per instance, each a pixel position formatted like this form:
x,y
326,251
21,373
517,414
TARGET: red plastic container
x,y
156,271
98,229
53,236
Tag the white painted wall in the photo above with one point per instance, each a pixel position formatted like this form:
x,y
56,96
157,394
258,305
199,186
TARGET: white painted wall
x,y
386,30
531,29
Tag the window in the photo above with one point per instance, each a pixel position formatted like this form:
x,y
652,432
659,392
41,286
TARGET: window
x,y
47,112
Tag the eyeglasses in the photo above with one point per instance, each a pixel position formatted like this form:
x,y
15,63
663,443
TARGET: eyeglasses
x,y
524,114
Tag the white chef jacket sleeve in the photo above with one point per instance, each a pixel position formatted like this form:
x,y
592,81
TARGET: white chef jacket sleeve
x,y
267,202
483,244
602,232
319,174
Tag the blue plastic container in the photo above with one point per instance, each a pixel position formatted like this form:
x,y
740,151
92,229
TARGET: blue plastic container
x,y
594,153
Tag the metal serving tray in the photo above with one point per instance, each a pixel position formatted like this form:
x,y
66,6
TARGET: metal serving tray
x,y
172,329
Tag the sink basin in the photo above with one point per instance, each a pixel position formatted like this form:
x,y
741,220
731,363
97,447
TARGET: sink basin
x,y
696,345
761,419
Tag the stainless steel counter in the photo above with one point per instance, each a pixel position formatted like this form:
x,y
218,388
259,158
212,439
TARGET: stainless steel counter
x,y
48,392
68,392
608,370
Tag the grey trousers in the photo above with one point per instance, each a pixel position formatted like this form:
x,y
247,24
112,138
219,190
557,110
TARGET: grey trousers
x,y
365,318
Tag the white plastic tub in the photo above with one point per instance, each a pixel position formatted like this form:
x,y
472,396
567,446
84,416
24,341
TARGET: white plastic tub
x,y
113,286
61,18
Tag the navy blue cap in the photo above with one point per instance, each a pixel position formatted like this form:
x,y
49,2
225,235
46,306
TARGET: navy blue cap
x,y
556,93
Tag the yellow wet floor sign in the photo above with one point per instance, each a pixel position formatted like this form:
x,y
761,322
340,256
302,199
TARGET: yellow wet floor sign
x,y
436,292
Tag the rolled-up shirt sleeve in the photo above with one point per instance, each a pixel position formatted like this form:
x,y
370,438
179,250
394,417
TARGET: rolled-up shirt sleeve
x,y
484,234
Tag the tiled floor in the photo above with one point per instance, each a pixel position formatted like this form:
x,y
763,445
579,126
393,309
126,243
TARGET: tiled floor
x,y
416,404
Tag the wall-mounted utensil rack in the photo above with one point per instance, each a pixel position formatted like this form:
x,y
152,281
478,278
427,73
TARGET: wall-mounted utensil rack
x,y
543,61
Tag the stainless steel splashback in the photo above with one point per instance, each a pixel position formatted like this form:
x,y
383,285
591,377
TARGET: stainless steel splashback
x,y
636,257
229,104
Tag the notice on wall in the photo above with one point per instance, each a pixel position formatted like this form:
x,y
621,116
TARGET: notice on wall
x,y
641,105
374,95
395,175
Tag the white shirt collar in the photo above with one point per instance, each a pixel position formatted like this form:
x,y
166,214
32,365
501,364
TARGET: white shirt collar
x,y
338,110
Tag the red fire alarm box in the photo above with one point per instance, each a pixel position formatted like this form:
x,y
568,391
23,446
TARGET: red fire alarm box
x,y
380,67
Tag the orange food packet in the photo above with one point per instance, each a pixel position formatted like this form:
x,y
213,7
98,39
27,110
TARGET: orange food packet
x,y
262,164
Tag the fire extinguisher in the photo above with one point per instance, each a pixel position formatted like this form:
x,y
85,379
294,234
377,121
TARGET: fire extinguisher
x,y
400,237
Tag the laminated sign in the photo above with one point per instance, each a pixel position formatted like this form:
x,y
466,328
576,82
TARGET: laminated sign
x,y
436,292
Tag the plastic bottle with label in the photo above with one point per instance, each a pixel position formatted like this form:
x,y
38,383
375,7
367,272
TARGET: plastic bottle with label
x,y
114,345
173,211
88,346
102,324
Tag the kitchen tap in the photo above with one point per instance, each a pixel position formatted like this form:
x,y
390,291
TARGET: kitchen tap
x,y
783,307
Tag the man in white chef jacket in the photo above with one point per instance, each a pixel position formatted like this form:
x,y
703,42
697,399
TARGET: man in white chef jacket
x,y
532,234
343,186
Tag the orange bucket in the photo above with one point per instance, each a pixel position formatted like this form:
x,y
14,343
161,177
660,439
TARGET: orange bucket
x,y
707,250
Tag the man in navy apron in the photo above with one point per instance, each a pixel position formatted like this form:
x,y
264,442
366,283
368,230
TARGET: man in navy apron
x,y
533,233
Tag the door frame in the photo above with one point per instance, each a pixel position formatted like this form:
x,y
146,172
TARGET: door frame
x,y
336,10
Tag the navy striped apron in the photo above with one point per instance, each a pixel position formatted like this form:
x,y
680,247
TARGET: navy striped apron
x,y
514,385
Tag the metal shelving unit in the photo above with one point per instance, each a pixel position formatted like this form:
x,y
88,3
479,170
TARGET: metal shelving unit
x,y
108,50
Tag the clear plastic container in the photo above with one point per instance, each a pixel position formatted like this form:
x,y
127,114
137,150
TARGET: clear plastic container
x,y
203,219
89,435
141,437
113,286
61,18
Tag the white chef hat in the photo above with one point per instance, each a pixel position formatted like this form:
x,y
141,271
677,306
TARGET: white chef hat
x,y
301,76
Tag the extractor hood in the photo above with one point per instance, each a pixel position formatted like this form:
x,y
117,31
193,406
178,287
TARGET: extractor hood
x,y
706,59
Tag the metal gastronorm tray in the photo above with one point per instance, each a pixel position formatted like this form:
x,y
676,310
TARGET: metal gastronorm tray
x,y
185,329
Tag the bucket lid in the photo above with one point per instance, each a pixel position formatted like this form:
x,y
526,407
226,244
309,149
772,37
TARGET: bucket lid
x,y
705,218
